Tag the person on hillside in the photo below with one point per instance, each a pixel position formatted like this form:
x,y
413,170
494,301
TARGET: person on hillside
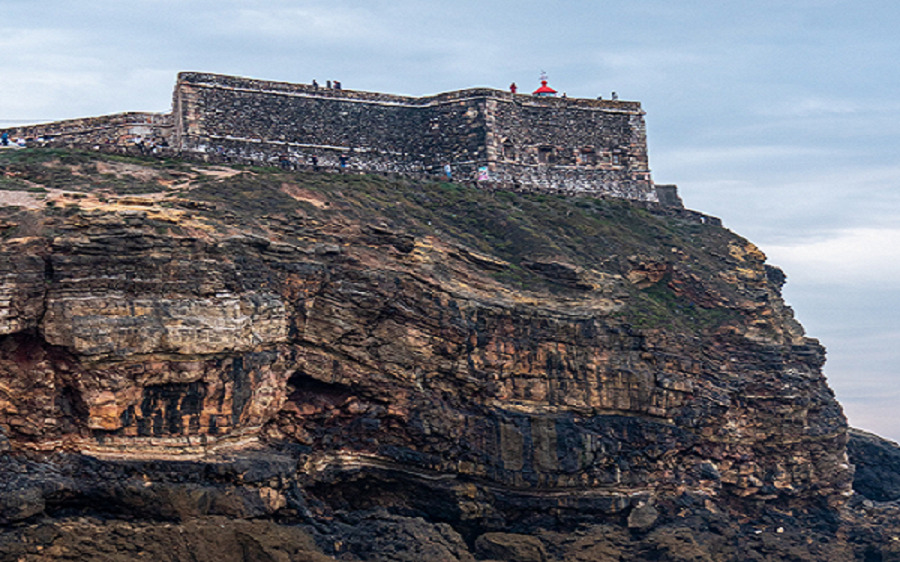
x,y
4,139
513,88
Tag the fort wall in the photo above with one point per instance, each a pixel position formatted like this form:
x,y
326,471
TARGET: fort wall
x,y
260,120
499,139
524,143
557,145
118,129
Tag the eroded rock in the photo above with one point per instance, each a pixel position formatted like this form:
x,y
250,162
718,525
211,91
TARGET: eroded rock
x,y
415,394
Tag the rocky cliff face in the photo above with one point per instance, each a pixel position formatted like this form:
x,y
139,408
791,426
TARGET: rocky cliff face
x,y
381,369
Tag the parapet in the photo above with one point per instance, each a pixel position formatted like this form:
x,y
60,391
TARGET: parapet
x,y
237,83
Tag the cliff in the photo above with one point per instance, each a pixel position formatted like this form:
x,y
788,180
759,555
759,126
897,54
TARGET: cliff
x,y
202,362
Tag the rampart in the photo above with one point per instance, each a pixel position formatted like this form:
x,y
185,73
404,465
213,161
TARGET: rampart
x,y
492,137
106,131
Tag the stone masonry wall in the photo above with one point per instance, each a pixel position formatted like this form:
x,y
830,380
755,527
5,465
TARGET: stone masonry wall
x,y
556,145
266,121
499,139
116,130
526,143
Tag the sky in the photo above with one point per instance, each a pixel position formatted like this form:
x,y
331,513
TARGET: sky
x,y
781,118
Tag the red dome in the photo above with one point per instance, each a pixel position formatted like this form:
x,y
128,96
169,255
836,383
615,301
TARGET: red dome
x,y
544,90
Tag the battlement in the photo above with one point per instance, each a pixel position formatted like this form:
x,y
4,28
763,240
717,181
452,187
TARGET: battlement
x,y
494,138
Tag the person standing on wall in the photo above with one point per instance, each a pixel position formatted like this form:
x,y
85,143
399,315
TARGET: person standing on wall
x,y
343,159
448,171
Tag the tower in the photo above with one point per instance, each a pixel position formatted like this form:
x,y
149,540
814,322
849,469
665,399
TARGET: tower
x,y
545,90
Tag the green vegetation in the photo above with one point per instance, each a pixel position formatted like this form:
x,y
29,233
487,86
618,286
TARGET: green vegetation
x,y
659,307
13,184
249,196
587,232
85,171
584,233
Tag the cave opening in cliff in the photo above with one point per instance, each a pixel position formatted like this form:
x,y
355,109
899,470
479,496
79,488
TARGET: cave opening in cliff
x,y
73,410
164,408
304,389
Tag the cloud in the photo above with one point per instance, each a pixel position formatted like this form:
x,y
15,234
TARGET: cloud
x,y
857,256
808,106
787,193
42,39
875,413
307,24
648,58
753,155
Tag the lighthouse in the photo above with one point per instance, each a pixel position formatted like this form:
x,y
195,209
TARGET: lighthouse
x,y
545,90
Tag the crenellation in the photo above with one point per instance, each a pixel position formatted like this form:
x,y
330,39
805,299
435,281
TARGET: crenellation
x,y
493,138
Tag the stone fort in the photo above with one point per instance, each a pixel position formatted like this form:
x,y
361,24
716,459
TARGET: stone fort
x,y
497,139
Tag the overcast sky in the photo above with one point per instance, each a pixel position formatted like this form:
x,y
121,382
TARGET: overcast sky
x,y
780,117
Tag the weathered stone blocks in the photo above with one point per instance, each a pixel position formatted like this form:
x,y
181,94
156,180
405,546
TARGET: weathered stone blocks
x,y
493,138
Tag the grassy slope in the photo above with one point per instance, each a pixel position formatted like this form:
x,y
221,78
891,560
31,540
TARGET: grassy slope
x,y
586,232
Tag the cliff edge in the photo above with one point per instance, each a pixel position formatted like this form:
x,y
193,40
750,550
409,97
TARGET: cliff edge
x,y
209,362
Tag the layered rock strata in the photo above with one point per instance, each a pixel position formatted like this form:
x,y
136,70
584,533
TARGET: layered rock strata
x,y
324,354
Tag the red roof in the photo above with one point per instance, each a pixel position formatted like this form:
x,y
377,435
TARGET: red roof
x,y
544,90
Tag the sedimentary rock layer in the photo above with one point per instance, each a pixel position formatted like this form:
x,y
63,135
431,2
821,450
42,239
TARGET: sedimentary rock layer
x,y
309,348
